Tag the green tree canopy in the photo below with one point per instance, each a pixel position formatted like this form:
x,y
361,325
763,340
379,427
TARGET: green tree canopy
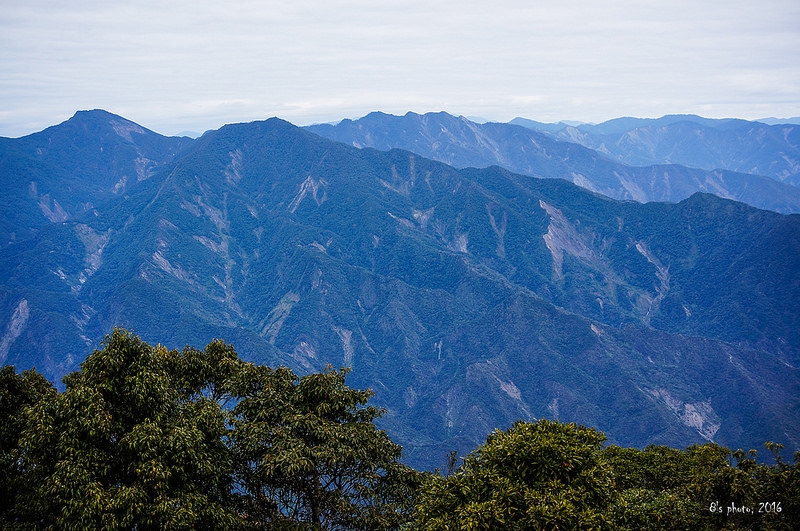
x,y
17,393
145,438
130,444
540,475
701,487
310,457
149,438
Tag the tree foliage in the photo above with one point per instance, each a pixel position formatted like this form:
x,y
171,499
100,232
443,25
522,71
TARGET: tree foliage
x,y
548,475
145,438
310,456
148,438
130,443
705,486
17,392
541,475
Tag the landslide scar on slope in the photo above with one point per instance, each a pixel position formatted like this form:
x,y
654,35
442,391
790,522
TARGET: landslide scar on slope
x,y
562,237
15,327
662,275
314,187
272,323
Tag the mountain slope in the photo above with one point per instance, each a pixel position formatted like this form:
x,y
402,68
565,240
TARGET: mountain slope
x,y
734,145
462,143
466,299
69,169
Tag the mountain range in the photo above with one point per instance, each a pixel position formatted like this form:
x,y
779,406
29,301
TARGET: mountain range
x,y
465,298
729,144
627,159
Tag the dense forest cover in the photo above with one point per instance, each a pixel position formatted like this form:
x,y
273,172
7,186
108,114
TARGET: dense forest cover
x,y
143,437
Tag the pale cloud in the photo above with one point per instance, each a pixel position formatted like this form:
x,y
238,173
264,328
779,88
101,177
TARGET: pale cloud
x,y
180,65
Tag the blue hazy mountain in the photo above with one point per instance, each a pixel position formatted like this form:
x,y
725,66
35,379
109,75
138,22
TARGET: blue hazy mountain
x,y
780,121
465,298
561,151
769,149
67,170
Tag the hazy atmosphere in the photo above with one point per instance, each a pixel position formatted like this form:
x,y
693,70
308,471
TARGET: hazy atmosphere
x,y
189,66
430,266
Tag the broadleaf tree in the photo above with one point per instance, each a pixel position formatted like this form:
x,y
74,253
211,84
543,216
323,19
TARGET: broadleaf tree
x,y
535,475
149,438
310,456
125,447
18,392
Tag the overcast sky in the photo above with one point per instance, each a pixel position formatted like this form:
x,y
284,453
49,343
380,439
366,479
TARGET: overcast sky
x,y
195,65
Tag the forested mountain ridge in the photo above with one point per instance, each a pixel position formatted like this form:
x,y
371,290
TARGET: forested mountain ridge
x,y
69,169
466,299
772,150
585,158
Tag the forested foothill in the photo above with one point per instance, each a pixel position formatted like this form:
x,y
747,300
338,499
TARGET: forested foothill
x,y
143,437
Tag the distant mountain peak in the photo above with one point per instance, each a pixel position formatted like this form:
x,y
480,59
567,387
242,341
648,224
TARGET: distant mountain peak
x,y
97,114
97,120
